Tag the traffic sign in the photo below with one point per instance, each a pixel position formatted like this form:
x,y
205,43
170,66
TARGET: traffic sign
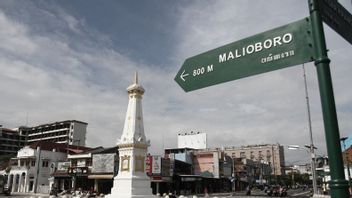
x,y
281,47
337,17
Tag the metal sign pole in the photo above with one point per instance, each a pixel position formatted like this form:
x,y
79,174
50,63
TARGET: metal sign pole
x,y
337,184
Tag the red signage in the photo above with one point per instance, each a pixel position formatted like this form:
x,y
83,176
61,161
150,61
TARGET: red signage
x,y
148,165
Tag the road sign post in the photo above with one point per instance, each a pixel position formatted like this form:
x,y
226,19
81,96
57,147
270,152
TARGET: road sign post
x,y
281,47
337,184
337,17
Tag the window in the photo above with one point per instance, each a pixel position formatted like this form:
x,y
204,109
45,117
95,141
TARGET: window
x,y
242,154
32,163
45,164
260,155
252,155
89,162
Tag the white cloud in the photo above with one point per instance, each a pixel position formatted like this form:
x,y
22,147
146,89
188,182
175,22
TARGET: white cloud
x,y
13,39
52,77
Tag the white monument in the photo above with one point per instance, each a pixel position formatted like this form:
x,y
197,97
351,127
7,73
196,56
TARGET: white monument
x,y
132,180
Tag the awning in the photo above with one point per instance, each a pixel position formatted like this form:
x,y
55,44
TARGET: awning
x,y
186,178
60,174
161,179
110,176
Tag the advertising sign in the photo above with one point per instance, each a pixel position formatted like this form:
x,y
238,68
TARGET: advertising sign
x,y
63,166
148,165
103,163
156,165
81,163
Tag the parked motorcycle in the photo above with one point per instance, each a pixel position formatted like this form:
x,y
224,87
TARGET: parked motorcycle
x,y
7,191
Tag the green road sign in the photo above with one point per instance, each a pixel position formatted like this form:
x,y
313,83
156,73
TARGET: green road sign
x,y
337,17
271,50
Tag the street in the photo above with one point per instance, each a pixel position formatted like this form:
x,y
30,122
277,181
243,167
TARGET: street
x,y
255,193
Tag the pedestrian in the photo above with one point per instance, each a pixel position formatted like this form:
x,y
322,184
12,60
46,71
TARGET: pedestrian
x,y
206,192
248,190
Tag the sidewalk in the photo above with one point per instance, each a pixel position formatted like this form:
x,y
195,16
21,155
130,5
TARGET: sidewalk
x,y
29,195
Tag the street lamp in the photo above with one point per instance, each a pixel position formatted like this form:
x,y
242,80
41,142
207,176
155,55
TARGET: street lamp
x,y
312,154
343,139
311,146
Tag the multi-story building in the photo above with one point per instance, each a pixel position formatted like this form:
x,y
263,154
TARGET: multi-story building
x,y
70,132
271,153
10,141
243,172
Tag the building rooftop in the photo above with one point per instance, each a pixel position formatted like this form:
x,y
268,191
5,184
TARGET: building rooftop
x,y
8,130
190,133
54,123
49,146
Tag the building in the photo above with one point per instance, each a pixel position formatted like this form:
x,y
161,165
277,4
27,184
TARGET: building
x,y
303,168
11,141
181,154
33,165
70,132
211,163
89,169
195,140
105,166
347,156
272,153
194,170
243,173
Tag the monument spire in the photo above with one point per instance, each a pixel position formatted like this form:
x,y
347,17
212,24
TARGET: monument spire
x,y
136,77
132,180
133,130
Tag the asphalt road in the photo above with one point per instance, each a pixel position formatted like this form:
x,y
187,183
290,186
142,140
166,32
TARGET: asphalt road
x,y
258,194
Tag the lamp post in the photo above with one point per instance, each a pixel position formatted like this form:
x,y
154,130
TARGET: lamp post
x,y
313,167
312,155
311,146
343,139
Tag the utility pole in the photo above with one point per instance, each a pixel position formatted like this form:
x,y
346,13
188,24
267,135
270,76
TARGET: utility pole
x,y
311,146
338,183
38,167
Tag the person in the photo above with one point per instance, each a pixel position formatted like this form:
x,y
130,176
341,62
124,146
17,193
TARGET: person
x,y
248,190
206,192
53,190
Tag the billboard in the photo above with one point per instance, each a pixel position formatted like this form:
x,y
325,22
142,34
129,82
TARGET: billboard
x,y
156,165
103,163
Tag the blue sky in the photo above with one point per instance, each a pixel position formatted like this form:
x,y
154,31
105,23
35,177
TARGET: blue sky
x,y
74,60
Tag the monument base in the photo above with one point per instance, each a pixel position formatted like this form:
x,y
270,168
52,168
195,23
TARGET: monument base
x,y
131,188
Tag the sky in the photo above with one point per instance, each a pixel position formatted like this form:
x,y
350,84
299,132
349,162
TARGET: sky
x,y
73,60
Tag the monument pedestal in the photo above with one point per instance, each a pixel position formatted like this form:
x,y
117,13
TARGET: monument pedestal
x,y
128,188
131,180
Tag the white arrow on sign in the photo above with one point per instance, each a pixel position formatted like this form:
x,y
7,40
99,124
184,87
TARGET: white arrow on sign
x,y
183,75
